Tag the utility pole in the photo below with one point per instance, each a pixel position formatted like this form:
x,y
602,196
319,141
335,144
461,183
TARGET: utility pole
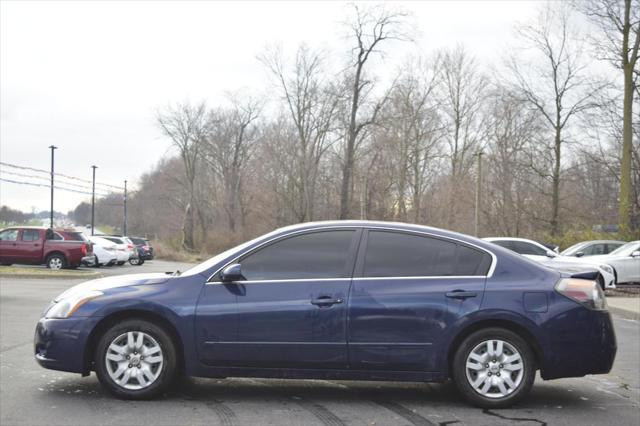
x,y
52,148
124,226
478,186
93,199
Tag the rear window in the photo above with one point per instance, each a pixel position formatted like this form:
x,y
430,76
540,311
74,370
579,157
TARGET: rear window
x,y
113,240
394,254
138,241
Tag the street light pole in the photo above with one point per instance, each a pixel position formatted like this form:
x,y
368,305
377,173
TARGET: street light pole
x,y
478,187
52,148
93,199
124,227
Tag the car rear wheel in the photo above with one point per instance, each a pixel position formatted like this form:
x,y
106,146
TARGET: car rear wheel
x,y
494,368
121,263
136,359
56,261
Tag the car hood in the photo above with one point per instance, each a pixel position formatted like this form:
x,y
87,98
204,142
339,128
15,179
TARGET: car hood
x,y
107,283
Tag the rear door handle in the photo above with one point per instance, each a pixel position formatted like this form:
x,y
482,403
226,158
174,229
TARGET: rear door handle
x,y
461,294
325,301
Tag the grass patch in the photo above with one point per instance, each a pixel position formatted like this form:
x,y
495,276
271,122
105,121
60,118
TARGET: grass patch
x,y
42,272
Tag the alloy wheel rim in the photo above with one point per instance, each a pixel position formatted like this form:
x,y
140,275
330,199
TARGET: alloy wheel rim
x,y
134,360
55,263
494,368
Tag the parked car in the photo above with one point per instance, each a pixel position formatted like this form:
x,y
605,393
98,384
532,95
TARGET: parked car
x,y
592,248
73,235
144,244
138,260
540,253
36,246
126,248
106,252
350,300
625,261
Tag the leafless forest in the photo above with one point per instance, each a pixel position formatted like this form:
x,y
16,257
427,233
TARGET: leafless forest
x,y
553,127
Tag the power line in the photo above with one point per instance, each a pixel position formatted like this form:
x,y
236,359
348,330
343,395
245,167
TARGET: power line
x,y
42,178
60,175
48,186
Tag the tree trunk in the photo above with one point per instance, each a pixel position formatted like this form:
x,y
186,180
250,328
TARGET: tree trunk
x,y
624,209
555,198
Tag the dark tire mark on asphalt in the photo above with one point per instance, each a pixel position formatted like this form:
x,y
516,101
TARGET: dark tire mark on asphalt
x,y
320,412
449,422
513,419
414,418
221,410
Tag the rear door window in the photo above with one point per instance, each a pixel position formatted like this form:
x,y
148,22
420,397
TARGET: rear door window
x,y
30,235
396,254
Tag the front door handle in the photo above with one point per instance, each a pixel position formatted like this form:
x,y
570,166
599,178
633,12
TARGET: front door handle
x,y
325,301
461,294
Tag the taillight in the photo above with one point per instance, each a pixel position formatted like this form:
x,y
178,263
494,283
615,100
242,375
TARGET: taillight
x,y
84,249
588,293
145,247
130,246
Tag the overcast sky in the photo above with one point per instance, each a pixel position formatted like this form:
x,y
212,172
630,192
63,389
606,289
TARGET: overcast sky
x,y
90,76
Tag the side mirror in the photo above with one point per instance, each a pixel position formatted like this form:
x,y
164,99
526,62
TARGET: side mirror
x,y
231,273
580,254
635,253
551,253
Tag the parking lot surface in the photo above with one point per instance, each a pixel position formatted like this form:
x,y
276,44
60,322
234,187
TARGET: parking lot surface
x,y
31,395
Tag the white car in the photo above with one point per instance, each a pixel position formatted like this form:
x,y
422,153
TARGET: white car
x,y
104,250
624,260
592,248
536,251
126,249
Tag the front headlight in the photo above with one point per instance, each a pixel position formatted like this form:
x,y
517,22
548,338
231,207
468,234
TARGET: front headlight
x,y
67,306
607,268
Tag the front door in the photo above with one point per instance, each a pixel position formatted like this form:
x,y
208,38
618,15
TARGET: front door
x,y
8,245
289,312
407,290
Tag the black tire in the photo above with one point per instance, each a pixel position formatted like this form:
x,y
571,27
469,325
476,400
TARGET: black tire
x,y
97,262
6,264
460,361
56,261
169,366
136,261
120,263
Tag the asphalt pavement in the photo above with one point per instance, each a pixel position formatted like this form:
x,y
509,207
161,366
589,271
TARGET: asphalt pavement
x,y
31,395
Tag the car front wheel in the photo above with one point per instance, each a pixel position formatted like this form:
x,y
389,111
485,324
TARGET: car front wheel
x,y
494,368
135,359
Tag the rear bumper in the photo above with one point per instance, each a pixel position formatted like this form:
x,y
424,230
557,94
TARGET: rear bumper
x,y
88,260
586,345
59,344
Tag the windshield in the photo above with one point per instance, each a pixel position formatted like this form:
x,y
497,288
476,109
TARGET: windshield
x,y
573,248
208,264
626,249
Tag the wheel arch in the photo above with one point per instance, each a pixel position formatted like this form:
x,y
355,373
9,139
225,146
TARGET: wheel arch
x,y
510,325
54,252
105,323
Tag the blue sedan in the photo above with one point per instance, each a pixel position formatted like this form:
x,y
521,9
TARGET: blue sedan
x,y
352,300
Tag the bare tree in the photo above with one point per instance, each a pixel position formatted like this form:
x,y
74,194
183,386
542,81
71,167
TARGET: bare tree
x,y
369,27
619,41
231,134
185,125
555,85
311,106
462,93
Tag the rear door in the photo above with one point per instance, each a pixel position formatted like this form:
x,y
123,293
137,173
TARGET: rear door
x,y
407,290
29,246
289,312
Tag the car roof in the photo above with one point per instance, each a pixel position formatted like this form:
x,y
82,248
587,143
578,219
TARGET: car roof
x,y
602,241
527,240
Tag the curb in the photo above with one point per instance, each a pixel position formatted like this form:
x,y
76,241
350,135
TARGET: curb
x,y
53,276
625,313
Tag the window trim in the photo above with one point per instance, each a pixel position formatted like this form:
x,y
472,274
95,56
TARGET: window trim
x,y
362,229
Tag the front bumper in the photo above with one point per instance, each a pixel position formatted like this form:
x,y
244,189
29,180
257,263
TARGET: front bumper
x,y
59,344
